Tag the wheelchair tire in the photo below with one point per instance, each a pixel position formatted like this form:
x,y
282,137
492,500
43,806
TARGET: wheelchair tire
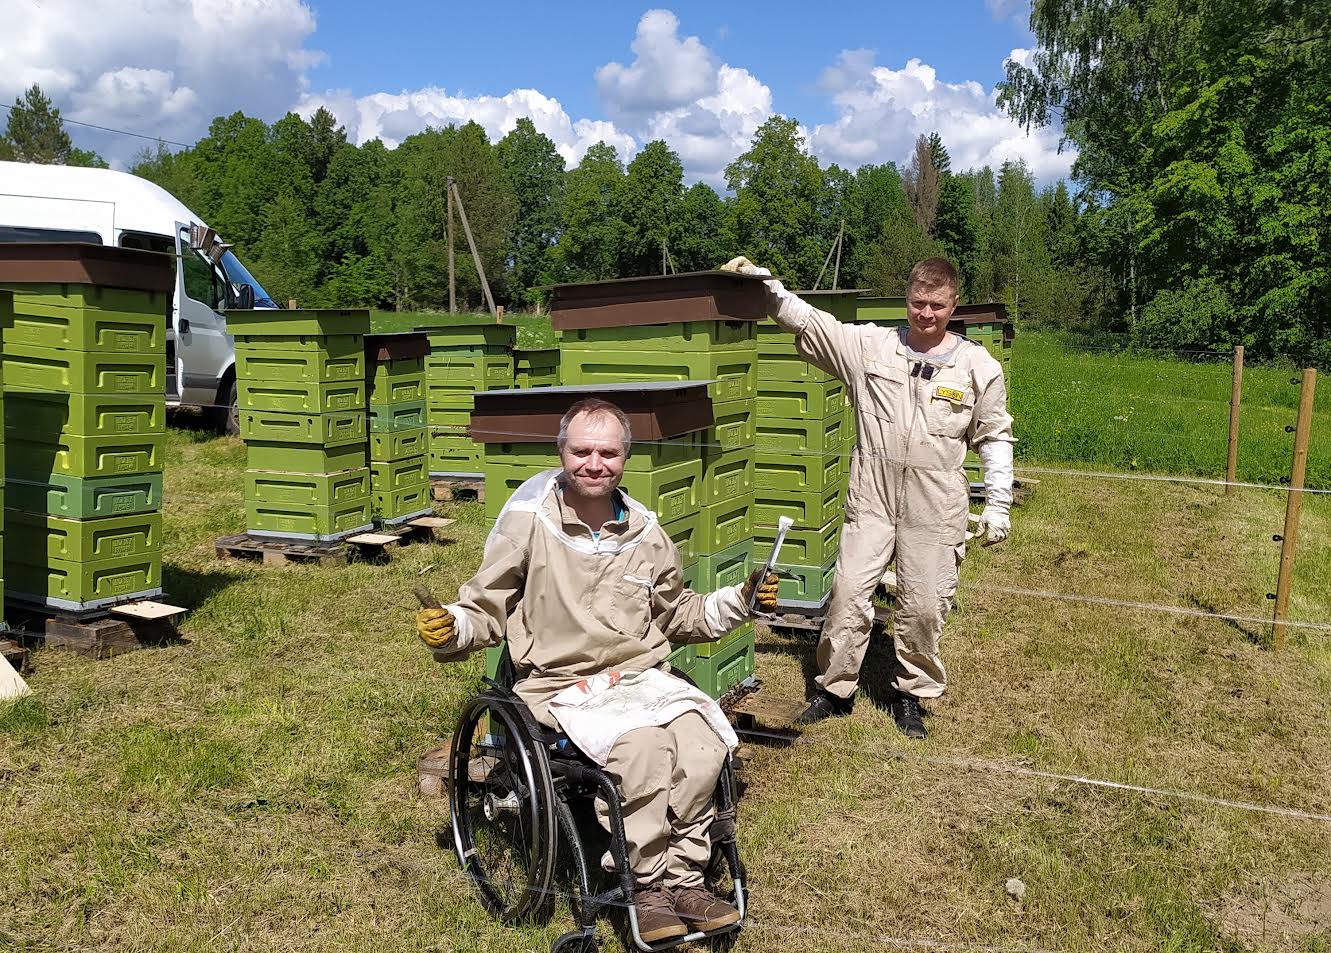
x,y
503,809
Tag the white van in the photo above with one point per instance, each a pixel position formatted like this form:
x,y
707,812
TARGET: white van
x,y
41,203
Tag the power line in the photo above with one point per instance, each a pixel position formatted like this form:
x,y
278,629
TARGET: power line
x,y
121,132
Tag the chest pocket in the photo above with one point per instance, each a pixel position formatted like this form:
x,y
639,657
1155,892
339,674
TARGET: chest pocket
x,y
631,610
884,391
951,407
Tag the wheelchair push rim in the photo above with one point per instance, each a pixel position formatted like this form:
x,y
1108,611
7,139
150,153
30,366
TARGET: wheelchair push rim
x,y
503,813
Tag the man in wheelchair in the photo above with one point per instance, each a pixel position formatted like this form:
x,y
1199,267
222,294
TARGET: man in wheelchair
x,y
588,590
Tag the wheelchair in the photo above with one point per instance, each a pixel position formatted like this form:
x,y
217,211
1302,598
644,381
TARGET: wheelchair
x,y
519,788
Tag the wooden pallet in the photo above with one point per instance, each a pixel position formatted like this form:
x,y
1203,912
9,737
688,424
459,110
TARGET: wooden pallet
x,y
103,632
368,545
451,489
14,653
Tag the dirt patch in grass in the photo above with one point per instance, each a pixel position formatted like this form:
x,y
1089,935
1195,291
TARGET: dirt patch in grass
x,y
1294,913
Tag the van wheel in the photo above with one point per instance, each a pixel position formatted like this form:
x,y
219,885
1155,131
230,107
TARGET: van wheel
x,y
226,415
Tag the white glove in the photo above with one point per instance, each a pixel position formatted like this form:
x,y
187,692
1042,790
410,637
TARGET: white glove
x,y
743,266
994,524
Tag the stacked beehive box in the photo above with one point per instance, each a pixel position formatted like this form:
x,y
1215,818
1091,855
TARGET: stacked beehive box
x,y
703,489
537,367
399,458
465,357
300,377
803,438
84,403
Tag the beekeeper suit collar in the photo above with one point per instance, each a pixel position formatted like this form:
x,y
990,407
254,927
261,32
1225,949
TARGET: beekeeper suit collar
x,y
536,496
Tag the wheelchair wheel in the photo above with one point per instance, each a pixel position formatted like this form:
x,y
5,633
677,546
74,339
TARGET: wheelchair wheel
x,y
503,806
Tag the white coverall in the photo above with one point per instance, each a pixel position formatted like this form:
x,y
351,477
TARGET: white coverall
x,y
571,607
908,495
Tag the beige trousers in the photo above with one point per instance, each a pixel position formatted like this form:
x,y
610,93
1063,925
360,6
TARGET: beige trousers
x,y
926,538
666,778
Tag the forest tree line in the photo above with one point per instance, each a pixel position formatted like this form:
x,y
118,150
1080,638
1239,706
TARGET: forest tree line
x,y
1198,215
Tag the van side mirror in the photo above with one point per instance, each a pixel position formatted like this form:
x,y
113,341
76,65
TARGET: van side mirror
x,y
240,297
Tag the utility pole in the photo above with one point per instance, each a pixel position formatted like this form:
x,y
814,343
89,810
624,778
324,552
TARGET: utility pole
x,y
452,268
471,243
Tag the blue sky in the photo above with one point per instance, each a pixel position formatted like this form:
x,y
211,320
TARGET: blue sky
x,y
864,79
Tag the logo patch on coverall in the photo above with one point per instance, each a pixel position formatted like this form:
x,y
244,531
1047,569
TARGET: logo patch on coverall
x,y
949,394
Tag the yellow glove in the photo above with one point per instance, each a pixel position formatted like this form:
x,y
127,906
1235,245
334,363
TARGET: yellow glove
x,y
436,627
766,601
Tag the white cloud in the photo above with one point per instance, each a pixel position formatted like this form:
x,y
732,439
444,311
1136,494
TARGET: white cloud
x,y
882,111
1017,11
157,67
668,72
393,117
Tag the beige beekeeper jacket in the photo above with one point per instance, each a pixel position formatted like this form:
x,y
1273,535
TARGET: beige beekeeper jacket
x,y
908,496
573,606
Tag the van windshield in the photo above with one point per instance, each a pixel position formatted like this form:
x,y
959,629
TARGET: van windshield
x,y
238,274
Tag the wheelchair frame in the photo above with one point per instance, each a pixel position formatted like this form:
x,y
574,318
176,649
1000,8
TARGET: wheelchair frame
x,y
529,774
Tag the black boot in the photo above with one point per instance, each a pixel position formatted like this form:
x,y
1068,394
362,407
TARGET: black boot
x,y
825,705
907,714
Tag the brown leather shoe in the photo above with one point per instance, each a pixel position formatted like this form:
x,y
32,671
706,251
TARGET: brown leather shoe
x,y
701,910
657,920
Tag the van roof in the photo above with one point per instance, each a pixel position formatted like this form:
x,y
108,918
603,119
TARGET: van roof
x,y
140,205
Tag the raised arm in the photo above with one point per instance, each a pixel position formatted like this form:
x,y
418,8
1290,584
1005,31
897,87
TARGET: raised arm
x,y
820,338
485,601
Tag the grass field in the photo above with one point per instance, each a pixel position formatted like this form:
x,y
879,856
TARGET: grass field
x,y
252,788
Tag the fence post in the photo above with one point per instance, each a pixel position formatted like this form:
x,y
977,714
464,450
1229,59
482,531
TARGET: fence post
x,y
291,304
1235,400
1294,504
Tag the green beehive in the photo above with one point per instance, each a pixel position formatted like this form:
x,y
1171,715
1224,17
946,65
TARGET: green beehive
x,y
84,415
536,368
407,473
476,371
724,648
334,347
814,473
808,546
680,336
454,453
327,430
734,374
392,383
338,362
727,474
732,664
683,532
87,498
734,426
805,508
398,444
388,417
84,540
304,458
65,584
803,586
801,399
29,367
37,457
881,310
290,397
788,367
722,525
321,489
821,435
253,326
395,506
89,318
307,521
477,333
728,567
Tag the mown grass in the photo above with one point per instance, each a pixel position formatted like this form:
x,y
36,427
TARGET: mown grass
x,y
252,788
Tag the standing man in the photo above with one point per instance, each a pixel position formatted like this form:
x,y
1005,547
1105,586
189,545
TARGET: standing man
x,y
587,588
922,395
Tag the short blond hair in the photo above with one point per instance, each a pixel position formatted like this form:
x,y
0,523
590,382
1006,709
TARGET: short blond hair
x,y
934,273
